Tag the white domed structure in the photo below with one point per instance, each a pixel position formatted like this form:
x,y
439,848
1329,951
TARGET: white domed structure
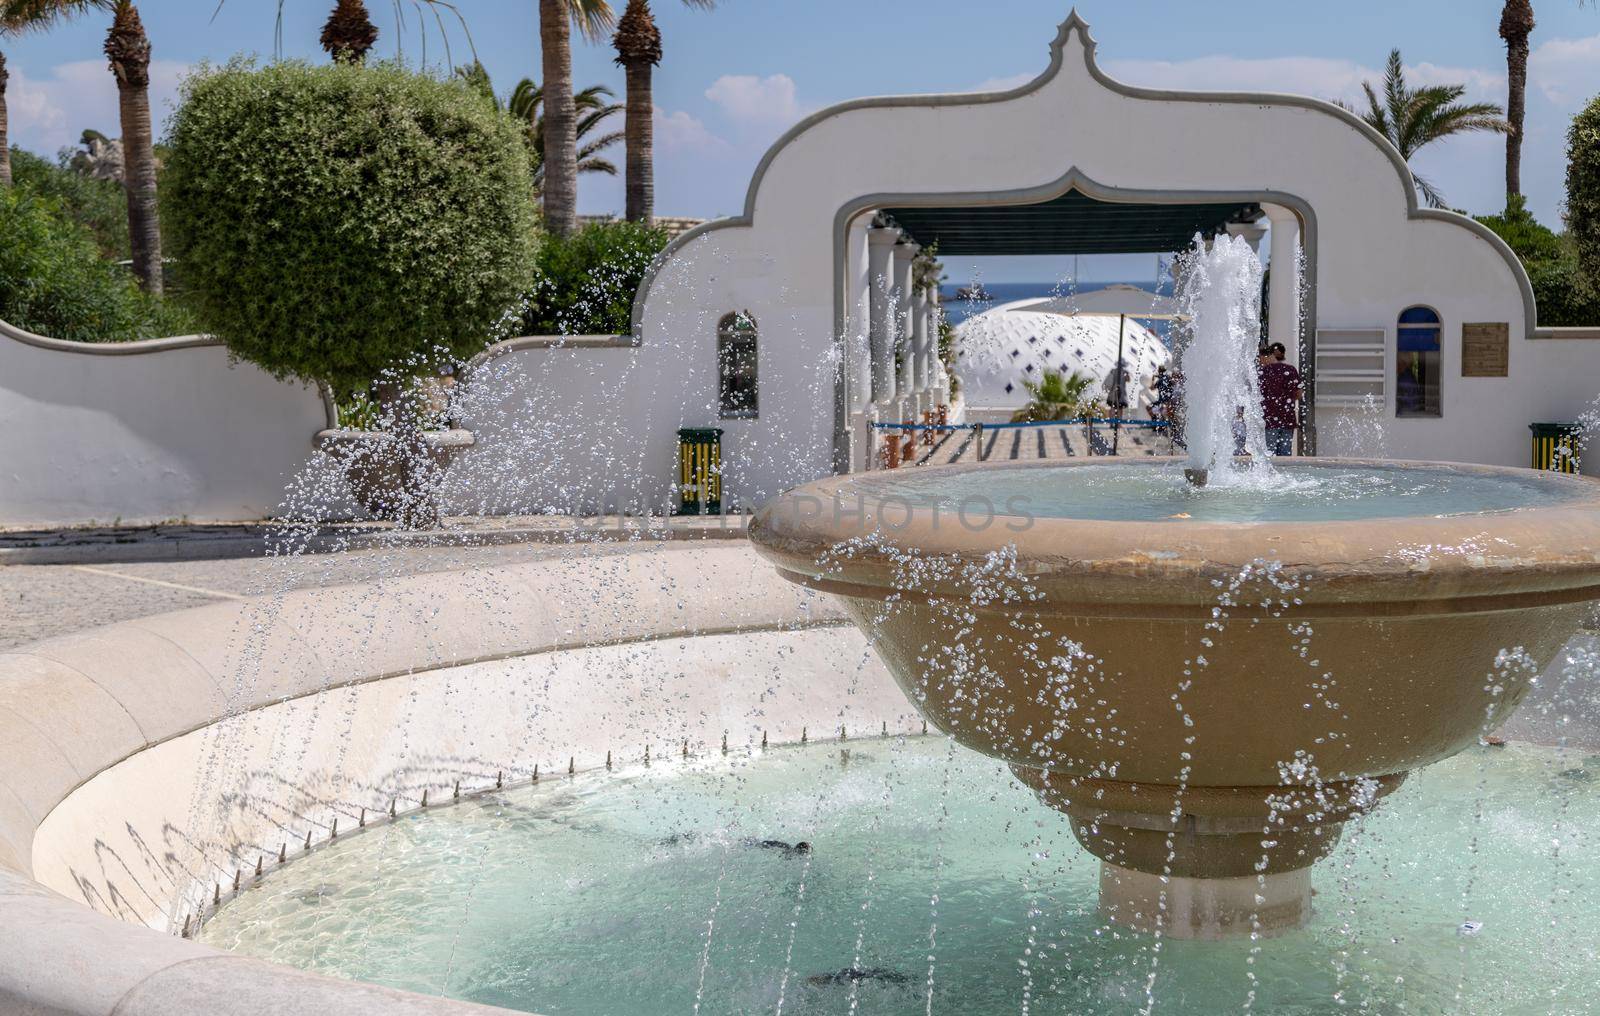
x,y
1001,348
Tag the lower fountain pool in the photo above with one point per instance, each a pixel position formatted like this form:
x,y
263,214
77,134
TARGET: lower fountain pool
x,y
933,882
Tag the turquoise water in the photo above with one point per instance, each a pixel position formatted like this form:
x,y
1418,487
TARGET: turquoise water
x,y
645,891
1155,492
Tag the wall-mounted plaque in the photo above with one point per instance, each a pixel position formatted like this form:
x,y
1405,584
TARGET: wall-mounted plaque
x,y
1485,349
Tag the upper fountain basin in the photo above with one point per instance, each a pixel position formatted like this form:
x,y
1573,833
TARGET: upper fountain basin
x,y
1388,535
1369,626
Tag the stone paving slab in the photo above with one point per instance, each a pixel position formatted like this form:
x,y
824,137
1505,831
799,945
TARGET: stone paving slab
x,y
40,601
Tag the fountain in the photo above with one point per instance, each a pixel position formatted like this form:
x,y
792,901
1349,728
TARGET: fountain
x,y
1208,682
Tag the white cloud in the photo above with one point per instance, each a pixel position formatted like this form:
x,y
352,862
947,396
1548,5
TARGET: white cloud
x,y
1482,85
681,132
1314,76
1318,77
1468,169
1566,71
756,101
51,113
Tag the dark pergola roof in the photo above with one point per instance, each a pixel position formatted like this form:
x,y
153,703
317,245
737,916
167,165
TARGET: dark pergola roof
x,y
1073,223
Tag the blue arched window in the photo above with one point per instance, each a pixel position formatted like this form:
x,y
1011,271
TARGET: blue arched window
x,y
736,367
1417,363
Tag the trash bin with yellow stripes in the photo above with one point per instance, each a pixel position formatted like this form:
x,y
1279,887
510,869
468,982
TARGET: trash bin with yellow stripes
x,y
1556,446
700,471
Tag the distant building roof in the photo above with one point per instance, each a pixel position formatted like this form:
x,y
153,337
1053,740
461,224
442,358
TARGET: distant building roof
x,y
674,225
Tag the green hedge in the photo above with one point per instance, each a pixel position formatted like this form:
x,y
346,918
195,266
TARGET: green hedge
x,y
1565,294
587,281
1583,191
53,280
101,206
331,222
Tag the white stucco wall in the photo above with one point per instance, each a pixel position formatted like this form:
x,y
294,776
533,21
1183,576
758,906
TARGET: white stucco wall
x,y
150,431
174,431
1550,380
795,262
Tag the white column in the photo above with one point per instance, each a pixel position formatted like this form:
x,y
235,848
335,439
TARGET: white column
x,y
1283,288
858,316
940,376
880,285
920,378
905,322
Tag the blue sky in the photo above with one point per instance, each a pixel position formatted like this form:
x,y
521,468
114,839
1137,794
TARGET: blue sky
x,y
735,77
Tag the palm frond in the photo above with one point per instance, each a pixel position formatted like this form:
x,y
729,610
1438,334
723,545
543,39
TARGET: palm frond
x,y
435,6
596,145
593,97
1376,118
18,16
1466,118
592,18
594,118
527,100
594,165
1410,118
1055,396
1429,193
1395,94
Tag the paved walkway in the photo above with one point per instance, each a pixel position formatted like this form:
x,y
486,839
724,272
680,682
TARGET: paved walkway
x,y
40,601
1065,442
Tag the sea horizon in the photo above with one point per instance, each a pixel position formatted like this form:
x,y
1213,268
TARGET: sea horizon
x,y
957,309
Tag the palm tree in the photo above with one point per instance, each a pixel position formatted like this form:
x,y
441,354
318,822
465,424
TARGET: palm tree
x,y
5,140
1516,24
638,45
1409,118
526,104
128,49
593,109
1055,397
593,19
349,32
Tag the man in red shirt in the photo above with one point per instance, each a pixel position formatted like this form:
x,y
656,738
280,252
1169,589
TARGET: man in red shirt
x,y
1280,398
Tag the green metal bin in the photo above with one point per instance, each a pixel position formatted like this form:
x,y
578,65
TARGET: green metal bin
x,y
700,471
1556,446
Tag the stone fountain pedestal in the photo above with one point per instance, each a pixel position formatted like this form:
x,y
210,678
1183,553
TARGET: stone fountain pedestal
x,y
1207,735
1203,862
1205,908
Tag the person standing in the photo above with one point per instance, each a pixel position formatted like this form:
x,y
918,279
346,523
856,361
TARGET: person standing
x,y
1116,389
1161,409
1280,398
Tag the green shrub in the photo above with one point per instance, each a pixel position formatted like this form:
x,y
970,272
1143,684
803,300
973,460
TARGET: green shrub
x,y
1523,233
1583,189
53,280
1563,293
587,281
1566,295
99,205
333,222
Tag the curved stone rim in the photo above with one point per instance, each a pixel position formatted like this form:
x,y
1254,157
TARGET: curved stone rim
x,y
1511,558
59,710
